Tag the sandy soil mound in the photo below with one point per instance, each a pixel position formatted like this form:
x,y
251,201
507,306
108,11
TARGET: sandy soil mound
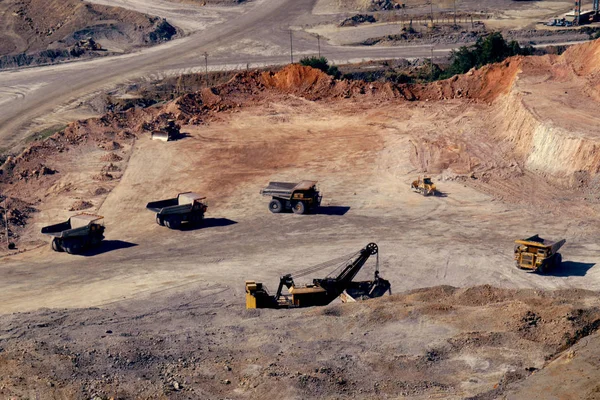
x,y
37,31
81,205
441,341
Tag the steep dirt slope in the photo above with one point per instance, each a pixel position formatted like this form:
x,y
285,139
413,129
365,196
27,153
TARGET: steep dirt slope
x,y
33,26
440,342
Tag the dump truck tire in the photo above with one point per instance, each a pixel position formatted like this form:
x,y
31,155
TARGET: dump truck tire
x,y
73,246
96,239
159,220
173,223
197,219
542,268
275,206
55,244
299,208
557,260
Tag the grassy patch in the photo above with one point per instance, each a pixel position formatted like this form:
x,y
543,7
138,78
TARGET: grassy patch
x,y
46,133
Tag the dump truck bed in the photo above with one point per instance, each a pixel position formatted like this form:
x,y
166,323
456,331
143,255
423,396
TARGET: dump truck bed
x,y
57,229
536,241
77,225
183,203
286,189
157,206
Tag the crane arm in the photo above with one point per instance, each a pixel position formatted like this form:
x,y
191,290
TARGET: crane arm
x,y
352,269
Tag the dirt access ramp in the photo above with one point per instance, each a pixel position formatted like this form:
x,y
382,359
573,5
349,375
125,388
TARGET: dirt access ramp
x,y
37,31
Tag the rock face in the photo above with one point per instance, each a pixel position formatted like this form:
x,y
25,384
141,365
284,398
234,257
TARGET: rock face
x,y
39,32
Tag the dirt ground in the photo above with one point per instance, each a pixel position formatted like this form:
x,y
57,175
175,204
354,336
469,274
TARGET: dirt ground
x,y
187,15
199,342
512,148
518,20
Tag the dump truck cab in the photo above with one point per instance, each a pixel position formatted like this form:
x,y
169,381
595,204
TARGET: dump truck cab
x,y
299,197
537,254
187,207
80,232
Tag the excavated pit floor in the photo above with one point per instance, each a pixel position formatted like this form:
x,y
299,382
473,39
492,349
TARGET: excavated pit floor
x,y
364,152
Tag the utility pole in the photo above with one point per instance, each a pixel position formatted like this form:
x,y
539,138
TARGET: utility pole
x,y
291,48
431,61
454,13
206,67
319,44
431,5
6,220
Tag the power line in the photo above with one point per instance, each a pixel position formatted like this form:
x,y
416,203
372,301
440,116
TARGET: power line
x,y
291,48
206,67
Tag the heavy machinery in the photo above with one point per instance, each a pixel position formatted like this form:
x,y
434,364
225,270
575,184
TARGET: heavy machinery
x,y
187,208
424,186
537,254
299,197
322,291
79,233
167,132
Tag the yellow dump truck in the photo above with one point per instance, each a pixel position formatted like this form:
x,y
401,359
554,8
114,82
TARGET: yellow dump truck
x,y
537,254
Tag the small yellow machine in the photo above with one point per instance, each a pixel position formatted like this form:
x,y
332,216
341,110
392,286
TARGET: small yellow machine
x,y
537,254
424,186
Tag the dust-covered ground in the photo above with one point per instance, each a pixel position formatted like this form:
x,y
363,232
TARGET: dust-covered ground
x,y
200,342
509,159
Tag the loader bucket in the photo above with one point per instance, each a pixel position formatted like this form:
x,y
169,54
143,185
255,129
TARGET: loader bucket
x,y
160,136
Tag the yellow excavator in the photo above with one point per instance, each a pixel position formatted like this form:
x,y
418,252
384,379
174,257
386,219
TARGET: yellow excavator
x,y
424,186
322,291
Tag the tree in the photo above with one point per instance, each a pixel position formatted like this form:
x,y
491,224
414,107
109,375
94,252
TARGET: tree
x,y
490,49
316,62
322,64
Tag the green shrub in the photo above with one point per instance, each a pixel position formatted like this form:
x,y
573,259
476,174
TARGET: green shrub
x,y
322,64
490,49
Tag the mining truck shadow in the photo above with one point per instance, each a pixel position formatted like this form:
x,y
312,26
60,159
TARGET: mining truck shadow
x,y
108,246
439,193
332,210
570,268
179,136
209,223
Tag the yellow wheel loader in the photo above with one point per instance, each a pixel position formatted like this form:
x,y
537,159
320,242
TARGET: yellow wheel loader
x,y
423,186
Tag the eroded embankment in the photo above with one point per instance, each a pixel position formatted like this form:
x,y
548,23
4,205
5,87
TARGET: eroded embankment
x,y
563,155
550,115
